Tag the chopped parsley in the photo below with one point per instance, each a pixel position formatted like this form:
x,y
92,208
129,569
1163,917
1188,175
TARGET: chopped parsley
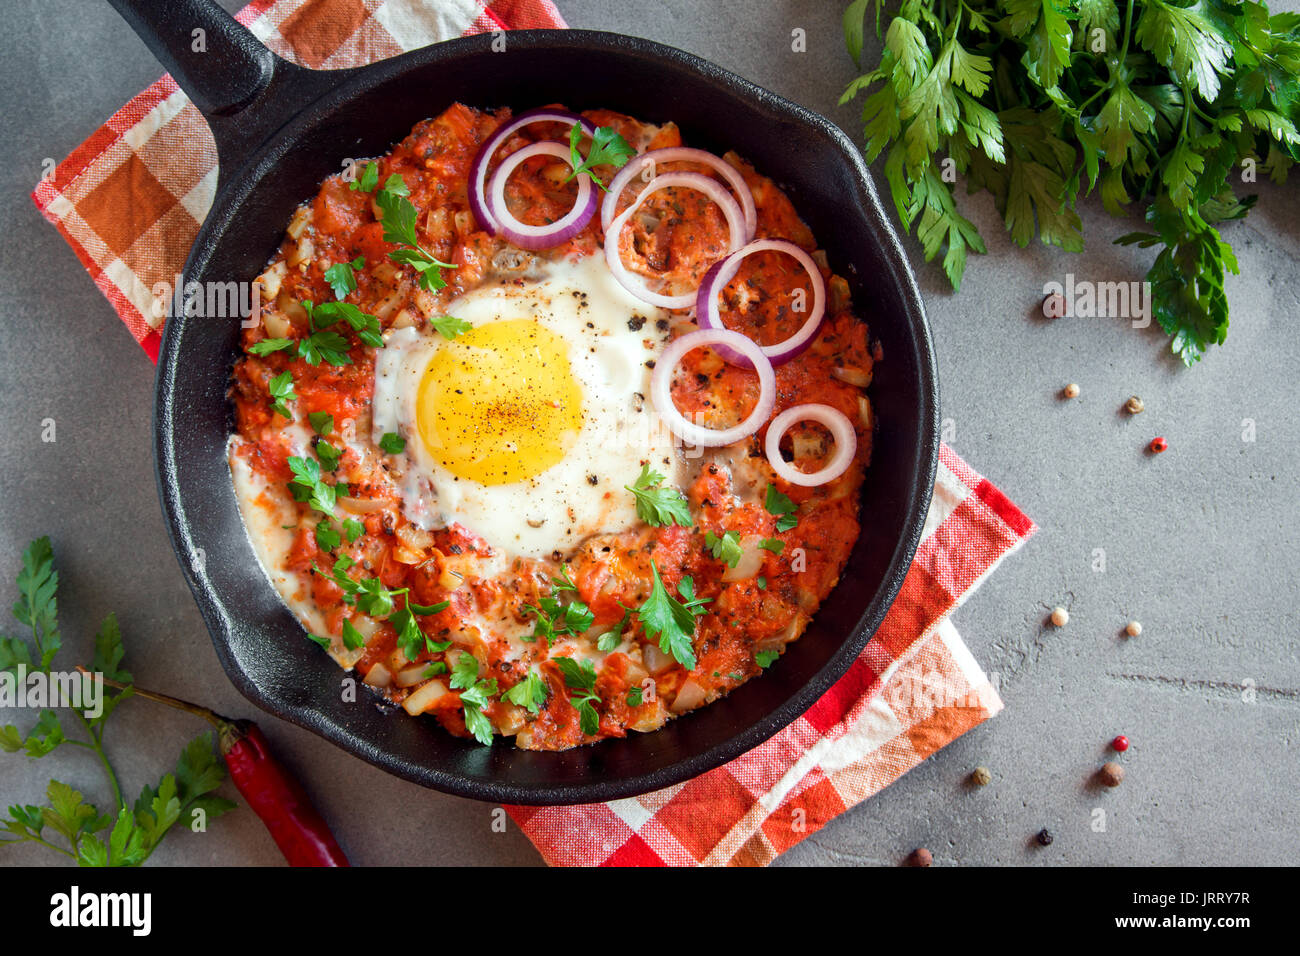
x,y
353,529
328,313
529,693
781,506
329,455
322,423
764,659
307,486
775,545
612,638
634,696
352,638
392,443
726,548
656,505
474,696
368,179
267,346
281,389
327,538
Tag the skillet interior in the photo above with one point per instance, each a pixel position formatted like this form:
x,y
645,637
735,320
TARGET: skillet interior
x,y
261,645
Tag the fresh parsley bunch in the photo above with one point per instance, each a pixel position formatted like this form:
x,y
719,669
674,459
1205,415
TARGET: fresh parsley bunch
x,y
1149,102
124,835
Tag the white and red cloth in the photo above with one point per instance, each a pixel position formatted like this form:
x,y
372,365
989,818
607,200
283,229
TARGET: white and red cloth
x,y
129,202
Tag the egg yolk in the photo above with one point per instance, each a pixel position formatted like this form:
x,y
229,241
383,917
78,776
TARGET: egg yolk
x,y
499,404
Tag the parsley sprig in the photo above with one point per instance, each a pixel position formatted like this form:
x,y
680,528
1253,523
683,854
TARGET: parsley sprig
x,y
399,228
1152,102
125,834
608,148
672,622
581,676
656,505
475,693
556,617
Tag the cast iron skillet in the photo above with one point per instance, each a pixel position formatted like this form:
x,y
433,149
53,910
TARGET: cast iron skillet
x,y
280,130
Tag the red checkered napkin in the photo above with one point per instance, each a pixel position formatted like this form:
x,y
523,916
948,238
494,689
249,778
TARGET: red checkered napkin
x,y
913,690
130,200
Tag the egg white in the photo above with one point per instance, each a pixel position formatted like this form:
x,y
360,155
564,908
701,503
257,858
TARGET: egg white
x,y
613,339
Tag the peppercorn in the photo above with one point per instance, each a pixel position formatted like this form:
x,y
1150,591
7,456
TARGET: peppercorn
x,y
1053,305
1133,629
1134,405
980,776
1119,744
1158,445
1044,837
1111,774
1060,616
1071,391
920,857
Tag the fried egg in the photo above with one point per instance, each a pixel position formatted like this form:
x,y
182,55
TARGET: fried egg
x,y
526,428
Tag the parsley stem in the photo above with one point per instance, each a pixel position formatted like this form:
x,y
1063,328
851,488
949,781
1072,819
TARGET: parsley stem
x,y
1128,23
47,843
103,759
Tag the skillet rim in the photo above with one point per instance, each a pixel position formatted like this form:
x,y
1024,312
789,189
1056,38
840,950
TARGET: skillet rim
x,y
234,188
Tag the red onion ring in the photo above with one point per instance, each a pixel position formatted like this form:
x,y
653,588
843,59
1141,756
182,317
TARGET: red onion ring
x,y
723,271
661,383
563,229
846,444
680,154
478,169
711,188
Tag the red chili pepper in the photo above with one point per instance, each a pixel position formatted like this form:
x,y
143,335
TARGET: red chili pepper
x,y
297,828
277,798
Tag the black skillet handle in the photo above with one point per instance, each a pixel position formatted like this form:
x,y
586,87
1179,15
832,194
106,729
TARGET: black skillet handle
x,y
244,90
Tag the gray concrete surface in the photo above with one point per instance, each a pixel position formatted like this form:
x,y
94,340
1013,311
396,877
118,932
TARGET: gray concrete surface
x,y
1201,543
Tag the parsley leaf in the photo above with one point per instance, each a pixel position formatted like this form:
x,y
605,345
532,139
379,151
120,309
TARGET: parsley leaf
x,y
392,443
764,659
267,346
307,486
783,507
281,389
656,505
530,693
448,326
672,622
775,545
1052,100
634,696
580,675
368,179
321,422
342,276
608,148
725,548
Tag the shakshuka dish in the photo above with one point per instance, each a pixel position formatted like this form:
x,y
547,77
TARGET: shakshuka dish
x,y
550,426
